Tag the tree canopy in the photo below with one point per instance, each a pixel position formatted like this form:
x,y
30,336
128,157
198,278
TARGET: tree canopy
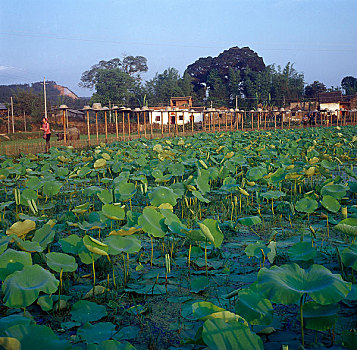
x,y
349,84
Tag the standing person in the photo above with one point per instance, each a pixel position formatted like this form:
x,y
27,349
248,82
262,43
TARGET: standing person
x,y
46,132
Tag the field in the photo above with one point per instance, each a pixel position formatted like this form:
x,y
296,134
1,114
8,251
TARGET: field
x,y
227,240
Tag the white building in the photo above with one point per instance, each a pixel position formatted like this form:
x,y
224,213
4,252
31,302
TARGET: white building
x,y
166,115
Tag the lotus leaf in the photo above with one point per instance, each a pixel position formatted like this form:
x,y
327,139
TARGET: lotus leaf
x,y
273,194
21,228
348,255
86,311
162,195
212,232
125,190
51,188
256,173
113,211
249,221
60,261
256,309
219,335
118,244
37,337
22,288
71,244
302,251
105,196
330,203
337,191
100,163
29,194
13,260
202,180
45,302
152,222
287,283
29,246
44,235
347,226
95,246
95,334
306,205
199,196
320,317
13,320
199,284
202,309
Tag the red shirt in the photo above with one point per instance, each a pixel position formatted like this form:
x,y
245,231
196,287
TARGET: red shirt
x,y
46,128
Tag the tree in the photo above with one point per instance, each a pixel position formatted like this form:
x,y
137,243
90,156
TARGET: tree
x,y
113,85
133,66
313,90
218,90
30,103
349,84
164,86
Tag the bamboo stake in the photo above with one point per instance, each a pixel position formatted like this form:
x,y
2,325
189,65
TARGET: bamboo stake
x,y
151,132
88,128
106,126
116,124
162,123
129,125
96,125
123,127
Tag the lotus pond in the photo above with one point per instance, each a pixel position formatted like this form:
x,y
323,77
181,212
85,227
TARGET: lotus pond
x,y
241,240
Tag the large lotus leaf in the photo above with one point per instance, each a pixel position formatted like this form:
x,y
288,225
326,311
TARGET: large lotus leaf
x,y
97,333
337,191
34,183
256,173
21,228
273,194
249,221
320,317
254,307
60,261
287,283
202,309
162,195
28,194
9,343
199,196
86,311
125,231
95,246
348,255
177,169
152,222
13,260
82,208
199,284
202,180
71,244
37,337
302,251
212,232
100,163
195,235
125,190
219,335
255,250
118,244
113,211
348,226
105,196
278,175
328,165
44,235
51,188
22,288
330,203
29,246
45,302
306,205
13,320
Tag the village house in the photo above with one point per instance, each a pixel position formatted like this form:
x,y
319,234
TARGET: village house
x,y
3,110
334,101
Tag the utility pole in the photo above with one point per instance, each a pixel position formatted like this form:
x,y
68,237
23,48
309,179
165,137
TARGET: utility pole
x,y
12,115
44,93
8,121
236,102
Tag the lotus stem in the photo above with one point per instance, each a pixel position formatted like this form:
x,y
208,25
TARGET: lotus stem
x,y
206,258
152,251
93,275
189,255
302,320
114,283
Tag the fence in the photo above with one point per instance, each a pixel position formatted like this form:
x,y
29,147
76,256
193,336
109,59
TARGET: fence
x,y
219,121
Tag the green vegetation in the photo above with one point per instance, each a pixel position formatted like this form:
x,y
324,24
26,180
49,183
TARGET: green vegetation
x,y
230,240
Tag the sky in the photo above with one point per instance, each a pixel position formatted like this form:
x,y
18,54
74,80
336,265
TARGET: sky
x,y
60,39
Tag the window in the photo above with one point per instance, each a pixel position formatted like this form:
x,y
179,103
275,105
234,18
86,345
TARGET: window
x,y
181,117
157,118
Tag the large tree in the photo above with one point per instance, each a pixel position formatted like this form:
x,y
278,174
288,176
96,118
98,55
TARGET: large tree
x,y
313,90
349,84
131,65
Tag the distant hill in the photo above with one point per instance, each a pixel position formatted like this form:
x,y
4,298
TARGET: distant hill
x,y
55,93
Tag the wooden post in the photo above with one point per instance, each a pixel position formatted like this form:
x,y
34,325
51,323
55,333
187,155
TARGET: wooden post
x,y
106,126
129,125
226,119
192,121
243,118
96,126
123,117
265,119
183,122
25,122
219,122
138,122
8,121
116,124
176,129
162,123
258,120
231,120
12,115
64,126
144,115
289,115
252,112
275,119
169,122
237,118
151,131
344,117
88,128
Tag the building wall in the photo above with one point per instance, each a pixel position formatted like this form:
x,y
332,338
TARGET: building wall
x,y
182,117
330,106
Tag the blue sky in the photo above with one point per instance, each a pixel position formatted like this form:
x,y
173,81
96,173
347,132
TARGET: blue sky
x,y
60,39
